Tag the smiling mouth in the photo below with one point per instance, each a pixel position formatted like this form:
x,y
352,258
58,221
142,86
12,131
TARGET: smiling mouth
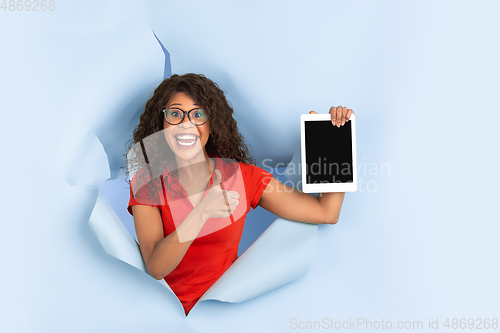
x,y
186,140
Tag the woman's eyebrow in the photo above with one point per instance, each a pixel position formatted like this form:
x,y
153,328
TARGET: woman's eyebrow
x,y
181,104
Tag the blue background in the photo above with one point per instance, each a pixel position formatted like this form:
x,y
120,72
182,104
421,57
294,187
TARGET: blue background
x,y
422,77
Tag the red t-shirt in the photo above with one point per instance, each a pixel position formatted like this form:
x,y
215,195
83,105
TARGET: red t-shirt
x,y
216,246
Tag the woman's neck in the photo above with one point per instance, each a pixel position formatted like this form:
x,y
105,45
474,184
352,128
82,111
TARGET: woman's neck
x,y
195,169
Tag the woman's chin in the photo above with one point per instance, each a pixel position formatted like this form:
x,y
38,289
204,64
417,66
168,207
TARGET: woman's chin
x,y
191,154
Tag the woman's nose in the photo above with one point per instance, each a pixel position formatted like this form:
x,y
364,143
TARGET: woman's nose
x,y
186,123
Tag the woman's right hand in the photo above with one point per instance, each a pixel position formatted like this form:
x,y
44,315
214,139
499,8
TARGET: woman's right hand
x,y
218,202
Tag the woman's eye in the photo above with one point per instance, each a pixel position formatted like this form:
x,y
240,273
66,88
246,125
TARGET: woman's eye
x,y
199,113
174,113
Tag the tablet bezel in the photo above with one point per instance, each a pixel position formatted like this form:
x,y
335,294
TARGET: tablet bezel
x,y
324,187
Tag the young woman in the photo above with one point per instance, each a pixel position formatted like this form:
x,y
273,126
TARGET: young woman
x,y
194,182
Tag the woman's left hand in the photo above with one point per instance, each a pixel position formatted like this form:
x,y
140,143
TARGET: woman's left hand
x,y
340,115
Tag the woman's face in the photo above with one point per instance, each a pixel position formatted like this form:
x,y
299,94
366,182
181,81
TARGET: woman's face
x,y
186,140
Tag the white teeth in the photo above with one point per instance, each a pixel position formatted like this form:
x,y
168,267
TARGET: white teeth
x,y
186,144
186,137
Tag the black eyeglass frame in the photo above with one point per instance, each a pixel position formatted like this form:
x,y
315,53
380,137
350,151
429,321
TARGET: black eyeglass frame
x,y
184,116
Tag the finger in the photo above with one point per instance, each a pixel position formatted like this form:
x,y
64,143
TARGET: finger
x,y
338,119
233,194
344,115
217,178
333,112
313,112
349,114
232,201
232,208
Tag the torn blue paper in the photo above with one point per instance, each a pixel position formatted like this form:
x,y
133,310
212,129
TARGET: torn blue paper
x,y
280,255
87,163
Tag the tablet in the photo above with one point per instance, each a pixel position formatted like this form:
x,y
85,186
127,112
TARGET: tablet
x,y
328,154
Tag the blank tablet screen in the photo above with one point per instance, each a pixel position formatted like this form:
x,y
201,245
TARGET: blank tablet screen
x,y
328,152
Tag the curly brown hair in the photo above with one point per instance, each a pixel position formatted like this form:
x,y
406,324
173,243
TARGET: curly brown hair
x,y
225,141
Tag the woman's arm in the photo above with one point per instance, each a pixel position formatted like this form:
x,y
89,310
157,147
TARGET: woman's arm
x,y
163,254
292,204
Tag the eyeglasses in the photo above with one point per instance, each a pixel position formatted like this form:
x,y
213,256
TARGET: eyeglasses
x,y
176,116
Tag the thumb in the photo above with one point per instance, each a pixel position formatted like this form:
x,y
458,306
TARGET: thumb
x,y
217,179
313,112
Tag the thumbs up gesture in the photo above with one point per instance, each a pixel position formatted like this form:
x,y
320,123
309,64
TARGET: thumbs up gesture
x,y
218,202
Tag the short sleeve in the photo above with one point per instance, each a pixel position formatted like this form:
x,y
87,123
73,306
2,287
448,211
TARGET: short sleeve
x,y
145,192
256,180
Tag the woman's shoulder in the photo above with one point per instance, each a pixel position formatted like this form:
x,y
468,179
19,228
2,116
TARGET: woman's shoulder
x,y
142,183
